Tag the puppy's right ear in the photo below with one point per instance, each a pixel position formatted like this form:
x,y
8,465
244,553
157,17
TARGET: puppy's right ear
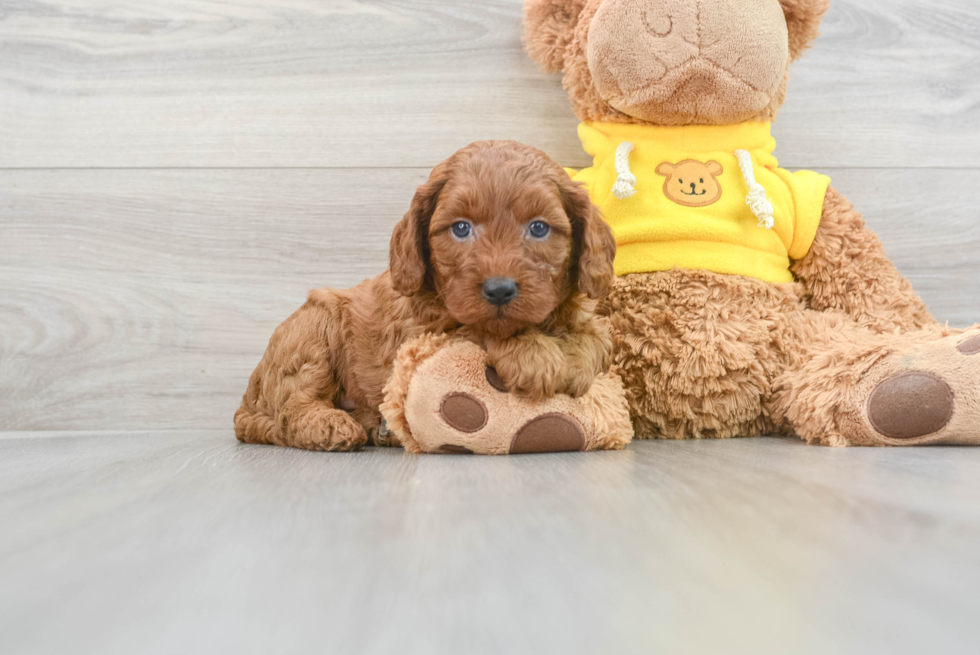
x,y
408,256
548,29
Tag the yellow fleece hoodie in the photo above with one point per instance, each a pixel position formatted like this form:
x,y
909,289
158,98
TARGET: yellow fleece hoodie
x,y
680,197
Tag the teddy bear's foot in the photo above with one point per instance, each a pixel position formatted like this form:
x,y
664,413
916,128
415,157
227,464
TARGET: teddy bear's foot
x,y
452,402
927,393
467,413
933,397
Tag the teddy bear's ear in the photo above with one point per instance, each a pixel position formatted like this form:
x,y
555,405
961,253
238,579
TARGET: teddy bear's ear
x,y
803,19
665,169
548,29
715,168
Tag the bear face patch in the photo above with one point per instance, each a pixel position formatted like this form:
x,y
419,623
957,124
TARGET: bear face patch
x,y
692,183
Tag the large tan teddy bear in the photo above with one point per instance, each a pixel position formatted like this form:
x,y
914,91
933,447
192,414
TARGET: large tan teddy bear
x,y
751,300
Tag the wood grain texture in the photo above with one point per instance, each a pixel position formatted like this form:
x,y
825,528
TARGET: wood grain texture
x,y
399,83
192,543
134,299
145,298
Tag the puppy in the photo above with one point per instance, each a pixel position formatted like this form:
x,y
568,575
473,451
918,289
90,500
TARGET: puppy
x,y
499,247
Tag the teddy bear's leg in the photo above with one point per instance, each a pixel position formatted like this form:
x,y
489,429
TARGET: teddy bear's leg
x,y
697,351
848,385
847,271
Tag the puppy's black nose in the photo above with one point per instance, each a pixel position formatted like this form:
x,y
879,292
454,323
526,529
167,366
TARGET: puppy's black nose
x,y
499,290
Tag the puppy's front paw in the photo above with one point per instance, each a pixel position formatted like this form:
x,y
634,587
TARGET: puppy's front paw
x,y
326,429
585,360
577,379
535,370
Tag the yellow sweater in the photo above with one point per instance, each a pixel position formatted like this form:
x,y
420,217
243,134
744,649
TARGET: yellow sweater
x,y
681,197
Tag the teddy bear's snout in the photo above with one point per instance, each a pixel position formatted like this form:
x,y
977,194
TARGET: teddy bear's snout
x,y
704,61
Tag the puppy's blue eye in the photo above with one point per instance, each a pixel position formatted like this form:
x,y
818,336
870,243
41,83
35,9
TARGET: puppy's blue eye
x,y
462,229
539,229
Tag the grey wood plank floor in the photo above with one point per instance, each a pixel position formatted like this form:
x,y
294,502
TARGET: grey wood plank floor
x,y
189,542
257,149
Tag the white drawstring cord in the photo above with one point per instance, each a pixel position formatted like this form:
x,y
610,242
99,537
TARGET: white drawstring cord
x,y
625,186
757,200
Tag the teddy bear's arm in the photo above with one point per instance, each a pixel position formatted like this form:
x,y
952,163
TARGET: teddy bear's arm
x,y
847,270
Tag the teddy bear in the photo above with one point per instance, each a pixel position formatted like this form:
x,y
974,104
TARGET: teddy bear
x,y
749,300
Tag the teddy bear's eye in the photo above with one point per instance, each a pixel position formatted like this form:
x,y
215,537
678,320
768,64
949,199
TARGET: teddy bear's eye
x,y
702,180
681,181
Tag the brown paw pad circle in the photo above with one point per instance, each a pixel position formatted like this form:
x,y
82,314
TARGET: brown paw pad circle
x,y
464,412
970,346
452,449
548,433
495,381
909,405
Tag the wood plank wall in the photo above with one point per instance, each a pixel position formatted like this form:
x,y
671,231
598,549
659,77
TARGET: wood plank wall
x,y
175,175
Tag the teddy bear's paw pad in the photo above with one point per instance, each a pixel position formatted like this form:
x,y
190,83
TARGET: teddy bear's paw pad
x,y
452,449
497,382
911,404
549,433
970,346
464,412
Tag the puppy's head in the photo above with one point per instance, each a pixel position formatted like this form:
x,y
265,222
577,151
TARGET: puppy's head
x,y
504,237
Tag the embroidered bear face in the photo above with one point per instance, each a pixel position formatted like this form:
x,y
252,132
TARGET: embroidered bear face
x,y
692,183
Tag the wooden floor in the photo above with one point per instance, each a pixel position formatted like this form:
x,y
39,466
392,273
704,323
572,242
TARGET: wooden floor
x,y
181,542
176,174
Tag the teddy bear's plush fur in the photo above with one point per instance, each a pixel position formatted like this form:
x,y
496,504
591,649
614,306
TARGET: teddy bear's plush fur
x,y
847,354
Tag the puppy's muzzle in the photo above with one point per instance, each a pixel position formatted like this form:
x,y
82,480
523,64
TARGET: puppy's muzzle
x,y
499,290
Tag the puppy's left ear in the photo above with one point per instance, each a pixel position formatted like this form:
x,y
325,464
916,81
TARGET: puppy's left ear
x,y
408,256
803,18
593,242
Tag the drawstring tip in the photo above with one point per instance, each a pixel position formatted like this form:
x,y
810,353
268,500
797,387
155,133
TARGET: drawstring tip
x,y
625,186
761,206
624,190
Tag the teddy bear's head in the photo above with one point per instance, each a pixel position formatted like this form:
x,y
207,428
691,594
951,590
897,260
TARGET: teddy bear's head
x,y
672,62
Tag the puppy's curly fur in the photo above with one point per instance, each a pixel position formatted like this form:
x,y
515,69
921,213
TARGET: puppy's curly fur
x,y
320,382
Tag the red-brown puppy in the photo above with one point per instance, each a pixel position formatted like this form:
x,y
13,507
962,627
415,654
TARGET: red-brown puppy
x,y
499,246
